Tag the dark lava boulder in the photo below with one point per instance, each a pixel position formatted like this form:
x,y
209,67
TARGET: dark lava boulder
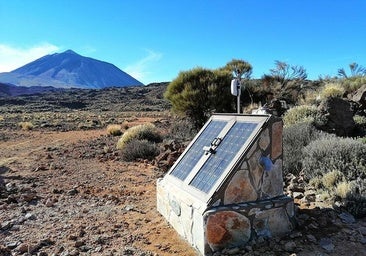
x,y
338,116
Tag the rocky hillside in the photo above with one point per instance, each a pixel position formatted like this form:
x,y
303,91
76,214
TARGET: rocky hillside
x,y
7,90
118,99
69,109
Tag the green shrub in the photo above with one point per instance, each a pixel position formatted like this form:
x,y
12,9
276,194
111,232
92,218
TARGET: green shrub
x,y
139,132
182,130
335,187
300,114
295,138
139,149
333,153
355,201
199,92
332,90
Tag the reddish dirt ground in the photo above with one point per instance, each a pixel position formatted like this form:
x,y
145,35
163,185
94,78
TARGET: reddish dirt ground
x,y
83,198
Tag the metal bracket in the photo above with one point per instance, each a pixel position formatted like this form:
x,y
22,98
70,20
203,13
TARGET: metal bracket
x,y
212,148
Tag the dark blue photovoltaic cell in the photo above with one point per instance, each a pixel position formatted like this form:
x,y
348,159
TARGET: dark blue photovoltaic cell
x,y
194,154
225,153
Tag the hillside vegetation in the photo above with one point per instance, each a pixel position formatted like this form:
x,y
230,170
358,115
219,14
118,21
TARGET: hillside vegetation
x,y
324,120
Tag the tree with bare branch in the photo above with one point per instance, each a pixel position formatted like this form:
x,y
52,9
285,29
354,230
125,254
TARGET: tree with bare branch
x,y
356,70
283,72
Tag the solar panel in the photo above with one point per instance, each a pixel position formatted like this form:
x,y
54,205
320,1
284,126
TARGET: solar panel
x,y
214,167
194,154
214,152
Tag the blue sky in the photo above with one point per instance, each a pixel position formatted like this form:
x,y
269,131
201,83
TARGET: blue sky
x,y
153,40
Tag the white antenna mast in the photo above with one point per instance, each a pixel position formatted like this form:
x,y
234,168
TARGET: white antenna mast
x,y
236,88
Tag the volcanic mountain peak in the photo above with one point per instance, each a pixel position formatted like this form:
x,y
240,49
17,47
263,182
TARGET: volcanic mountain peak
x,y
69,69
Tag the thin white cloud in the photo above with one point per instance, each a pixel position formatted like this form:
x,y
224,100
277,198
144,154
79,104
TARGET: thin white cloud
x,y
15,57
140,69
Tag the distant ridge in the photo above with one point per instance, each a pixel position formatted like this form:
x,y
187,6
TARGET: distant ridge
x,y
7,90
69,70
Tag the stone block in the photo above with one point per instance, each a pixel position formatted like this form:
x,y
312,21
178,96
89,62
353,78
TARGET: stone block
x,y
264,140
272,222
290,209
273,181
253,161
227,229
257,173
240,189
252,149
246,204
276,140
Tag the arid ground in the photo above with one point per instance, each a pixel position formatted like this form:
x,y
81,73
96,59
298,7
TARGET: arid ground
x,y
68,191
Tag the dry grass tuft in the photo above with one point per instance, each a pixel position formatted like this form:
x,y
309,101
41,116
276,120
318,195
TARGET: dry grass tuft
x,y
26,125
114,129
360,120
343,189
330,179
310,98
332,90
140,132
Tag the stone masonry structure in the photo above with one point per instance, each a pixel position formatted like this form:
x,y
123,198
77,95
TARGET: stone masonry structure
x,y
247,203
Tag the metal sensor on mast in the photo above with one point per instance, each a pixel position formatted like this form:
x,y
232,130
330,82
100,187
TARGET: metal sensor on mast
x,y
235,90
235,87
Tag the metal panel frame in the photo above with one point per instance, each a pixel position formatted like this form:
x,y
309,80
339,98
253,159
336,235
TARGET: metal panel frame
x,y
222,155
231,119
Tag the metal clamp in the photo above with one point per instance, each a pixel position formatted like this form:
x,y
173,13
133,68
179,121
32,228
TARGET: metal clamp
x,y
212,148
